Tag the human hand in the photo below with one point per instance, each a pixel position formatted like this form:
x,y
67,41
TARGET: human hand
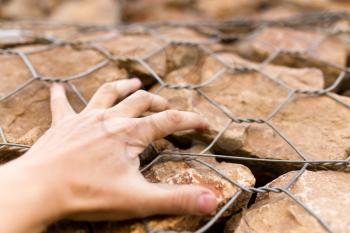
x,y
89,161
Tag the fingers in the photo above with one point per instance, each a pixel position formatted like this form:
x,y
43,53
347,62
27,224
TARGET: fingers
x,y
108,93
180,199
138,103
159,125
60,106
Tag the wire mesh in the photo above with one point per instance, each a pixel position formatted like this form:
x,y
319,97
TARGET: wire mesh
x,y
214,35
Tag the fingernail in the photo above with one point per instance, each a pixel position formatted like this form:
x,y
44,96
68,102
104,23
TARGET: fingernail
x,y
207,203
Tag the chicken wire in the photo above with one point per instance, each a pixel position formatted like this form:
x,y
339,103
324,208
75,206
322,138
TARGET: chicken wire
x,y
215,35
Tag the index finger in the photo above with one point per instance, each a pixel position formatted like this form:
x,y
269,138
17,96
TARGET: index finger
x,y
60,106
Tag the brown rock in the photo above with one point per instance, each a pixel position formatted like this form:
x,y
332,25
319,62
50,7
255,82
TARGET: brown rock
x,y
68,227
301,51
23,9
320,4
155,10
81,11
25,116
140,44
185,10
279,12
191,172
251,95
347,93
326,193
15,37
88,12
221,9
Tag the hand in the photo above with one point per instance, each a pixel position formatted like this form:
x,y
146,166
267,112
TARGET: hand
x,y
89,161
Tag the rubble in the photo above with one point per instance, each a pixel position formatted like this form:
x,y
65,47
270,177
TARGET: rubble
x,y
325,193
297,49
81,11
253,95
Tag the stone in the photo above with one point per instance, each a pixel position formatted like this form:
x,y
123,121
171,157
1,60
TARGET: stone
x,y
68,227
225,9
88,12
301,51
164,57
326,193
187,10
25,116
15,37
24,9
189,172
158,10
322,120
81,11
25,121
320,4
279,12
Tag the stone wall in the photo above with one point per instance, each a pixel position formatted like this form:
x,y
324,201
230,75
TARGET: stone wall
x,y
277,149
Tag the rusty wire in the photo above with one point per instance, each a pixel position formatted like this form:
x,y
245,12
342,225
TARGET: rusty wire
x,y
151,29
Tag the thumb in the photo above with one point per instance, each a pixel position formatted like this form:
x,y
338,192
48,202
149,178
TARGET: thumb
x,y
181,200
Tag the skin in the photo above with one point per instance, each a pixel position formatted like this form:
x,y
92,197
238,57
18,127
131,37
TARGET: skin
x,y
86,166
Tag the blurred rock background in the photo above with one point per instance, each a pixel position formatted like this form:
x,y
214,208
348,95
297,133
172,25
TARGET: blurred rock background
x,y
116,11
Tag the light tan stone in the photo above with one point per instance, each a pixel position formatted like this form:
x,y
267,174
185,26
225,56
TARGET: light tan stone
x,y
187,10
304,49
88,12
25,9
326,193
224,9
251,95
339,5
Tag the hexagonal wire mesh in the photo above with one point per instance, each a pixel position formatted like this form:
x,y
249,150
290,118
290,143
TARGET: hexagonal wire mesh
x,y
320,19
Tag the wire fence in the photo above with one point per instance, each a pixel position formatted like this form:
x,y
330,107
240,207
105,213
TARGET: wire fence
x,y
215,35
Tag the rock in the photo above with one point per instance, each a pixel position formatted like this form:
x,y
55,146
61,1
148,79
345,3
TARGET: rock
x,y
14,37
187,10
326,193
320,4
81,11
190,172
224,9
88,12
68,227
250,95
301,51
25,121
279,12
24,117
164,59
158,10
346,93
24,9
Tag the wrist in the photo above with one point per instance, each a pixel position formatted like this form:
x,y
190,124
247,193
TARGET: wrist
x,y
29,195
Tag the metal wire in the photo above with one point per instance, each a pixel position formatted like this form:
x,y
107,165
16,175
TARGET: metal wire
x,y
151,29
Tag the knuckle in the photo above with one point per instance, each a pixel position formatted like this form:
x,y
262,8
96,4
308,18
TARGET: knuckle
x,y
143,94
129,127
179,200
174,116
96,116
108,87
